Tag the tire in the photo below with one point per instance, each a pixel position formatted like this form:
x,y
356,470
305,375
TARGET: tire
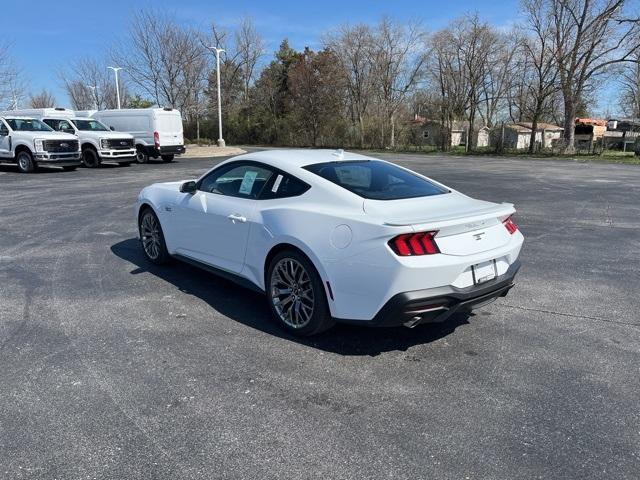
x,y
304,311
26,163
141,156
90,158
152,238
69,168
124,164
167,158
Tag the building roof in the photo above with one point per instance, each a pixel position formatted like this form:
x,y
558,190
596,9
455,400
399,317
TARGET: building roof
x,y
591,121
525,127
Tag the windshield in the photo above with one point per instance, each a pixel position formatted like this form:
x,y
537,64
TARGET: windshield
x,y
376,180
28,125
90,125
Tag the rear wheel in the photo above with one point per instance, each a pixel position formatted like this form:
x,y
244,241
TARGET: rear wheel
x,y
26,163
167,158
296,294
141,156
90,158
152,238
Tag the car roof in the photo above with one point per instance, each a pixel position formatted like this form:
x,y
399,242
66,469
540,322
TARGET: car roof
x,y
288,159
19,117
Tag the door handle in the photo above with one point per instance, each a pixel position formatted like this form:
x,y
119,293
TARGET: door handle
x,y
236,217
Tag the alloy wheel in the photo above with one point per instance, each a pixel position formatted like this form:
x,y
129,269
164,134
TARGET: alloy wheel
x,y
292,293
150,234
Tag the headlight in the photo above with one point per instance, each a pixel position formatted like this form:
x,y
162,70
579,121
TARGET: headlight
x,y
104,143
38,143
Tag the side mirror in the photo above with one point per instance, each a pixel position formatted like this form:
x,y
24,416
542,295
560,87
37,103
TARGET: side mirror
x,y
112,129
188,187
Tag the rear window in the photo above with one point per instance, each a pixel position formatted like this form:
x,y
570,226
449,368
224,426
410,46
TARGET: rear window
x,y
376,180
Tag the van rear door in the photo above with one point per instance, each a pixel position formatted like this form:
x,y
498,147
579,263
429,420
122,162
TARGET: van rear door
x,y
169,128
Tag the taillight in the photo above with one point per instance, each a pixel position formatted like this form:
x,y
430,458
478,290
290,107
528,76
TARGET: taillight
x,y
409,244
510,226
156,139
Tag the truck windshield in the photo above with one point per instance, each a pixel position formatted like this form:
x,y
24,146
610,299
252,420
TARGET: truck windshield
x,y
28,125
90,125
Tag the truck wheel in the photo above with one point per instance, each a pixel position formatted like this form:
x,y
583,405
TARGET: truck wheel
x,y
90,158
167,158
69,168
141,156
26,163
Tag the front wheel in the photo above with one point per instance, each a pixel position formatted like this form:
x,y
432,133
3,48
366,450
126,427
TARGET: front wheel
x,y
167,158
90,158
26,163
152,238
141,156
296,294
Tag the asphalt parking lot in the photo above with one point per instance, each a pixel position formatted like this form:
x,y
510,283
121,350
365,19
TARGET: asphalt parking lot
x,y
112,368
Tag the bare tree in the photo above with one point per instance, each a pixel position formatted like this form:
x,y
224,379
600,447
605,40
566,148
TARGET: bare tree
x,y
163,59
44,99
250,48
398,65
13,85
90,84
446,73
589,37
630,88
542,72
352,47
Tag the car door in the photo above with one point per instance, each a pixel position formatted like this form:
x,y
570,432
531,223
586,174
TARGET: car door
x,y
214,222
5,141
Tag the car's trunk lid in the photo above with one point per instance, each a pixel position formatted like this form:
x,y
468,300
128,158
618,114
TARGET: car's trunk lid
x,y
465,226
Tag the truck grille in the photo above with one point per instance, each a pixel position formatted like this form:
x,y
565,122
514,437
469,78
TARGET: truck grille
x,y
61,146
121,143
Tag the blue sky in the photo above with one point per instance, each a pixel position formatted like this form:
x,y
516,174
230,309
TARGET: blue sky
x,y
59,31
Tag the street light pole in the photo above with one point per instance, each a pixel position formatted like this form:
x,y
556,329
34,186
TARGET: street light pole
x,y
218,51
94,90
115,69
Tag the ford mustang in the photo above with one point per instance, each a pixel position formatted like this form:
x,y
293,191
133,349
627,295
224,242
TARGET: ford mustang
x,y
331,236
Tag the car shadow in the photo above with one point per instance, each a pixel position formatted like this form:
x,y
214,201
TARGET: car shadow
x,y
250,308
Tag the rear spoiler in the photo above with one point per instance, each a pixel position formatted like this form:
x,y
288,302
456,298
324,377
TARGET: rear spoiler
x,y
502,210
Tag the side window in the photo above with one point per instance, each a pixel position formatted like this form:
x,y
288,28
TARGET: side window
x,y
52,123
283,186
4,131
244,181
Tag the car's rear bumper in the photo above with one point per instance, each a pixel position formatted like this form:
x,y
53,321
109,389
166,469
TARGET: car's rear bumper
x,y
435,305
164,150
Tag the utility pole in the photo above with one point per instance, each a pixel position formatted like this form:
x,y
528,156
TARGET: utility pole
x,y
218,51
115,69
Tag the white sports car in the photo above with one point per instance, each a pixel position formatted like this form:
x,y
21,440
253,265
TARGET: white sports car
x,y
335,236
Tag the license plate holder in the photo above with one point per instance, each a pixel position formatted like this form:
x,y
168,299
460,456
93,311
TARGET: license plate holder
x,y
484,272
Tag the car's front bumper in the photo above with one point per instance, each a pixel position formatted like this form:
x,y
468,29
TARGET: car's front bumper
x,y
58,159
435,305
118,155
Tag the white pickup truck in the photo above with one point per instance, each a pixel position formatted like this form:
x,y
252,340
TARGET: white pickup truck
x,y
98,143
30,142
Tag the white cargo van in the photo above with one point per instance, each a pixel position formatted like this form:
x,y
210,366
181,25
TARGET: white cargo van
x,y
98,143
157,131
